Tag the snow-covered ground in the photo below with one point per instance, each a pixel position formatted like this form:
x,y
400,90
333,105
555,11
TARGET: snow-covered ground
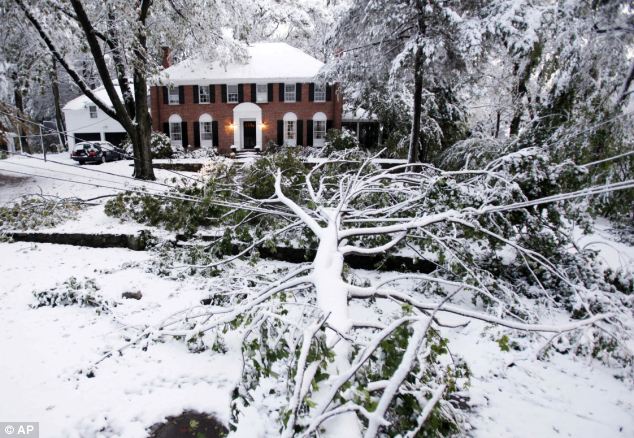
x,y
63,177
44,350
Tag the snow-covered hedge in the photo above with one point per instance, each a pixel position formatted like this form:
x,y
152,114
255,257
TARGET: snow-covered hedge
x,y
160,144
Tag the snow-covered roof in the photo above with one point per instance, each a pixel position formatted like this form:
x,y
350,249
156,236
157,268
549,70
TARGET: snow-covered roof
x,y
81,102
357,115
275,62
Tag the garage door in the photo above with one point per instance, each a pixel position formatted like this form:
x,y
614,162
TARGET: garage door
x,y
87,136
115,137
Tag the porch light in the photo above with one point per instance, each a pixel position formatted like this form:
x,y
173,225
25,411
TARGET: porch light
x,y
232,126
263,126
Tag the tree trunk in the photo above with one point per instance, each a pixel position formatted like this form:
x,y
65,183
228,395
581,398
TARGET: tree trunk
x,y
497,124
626,85
19,104
414,141
332,300
414,153
59,119
143,151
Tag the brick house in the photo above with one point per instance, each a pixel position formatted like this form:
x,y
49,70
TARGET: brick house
x,y
273,97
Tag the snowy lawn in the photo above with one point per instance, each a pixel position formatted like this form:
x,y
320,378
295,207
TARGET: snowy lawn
x,y
61,176
45,349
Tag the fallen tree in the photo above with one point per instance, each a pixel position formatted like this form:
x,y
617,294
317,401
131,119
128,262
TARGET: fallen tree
x,y
326,351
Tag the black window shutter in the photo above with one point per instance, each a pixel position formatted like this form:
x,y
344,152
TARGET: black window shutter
x,y
281,90
212,93
165,92
195,89
223,91
270,92
280,132
181,94
309,132
298,92
311,92
197,134
328,125
214,133
184,134
240,93
166,129
328,92
253,93
300,133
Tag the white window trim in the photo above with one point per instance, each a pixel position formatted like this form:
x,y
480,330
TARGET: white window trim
x,y
321,92
237,93
200,93
266,93
170,96
92,111
287,93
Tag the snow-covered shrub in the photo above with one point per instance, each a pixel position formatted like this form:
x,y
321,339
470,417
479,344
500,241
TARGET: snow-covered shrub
x,y
73,292
160,144
200,153
37,211
339,140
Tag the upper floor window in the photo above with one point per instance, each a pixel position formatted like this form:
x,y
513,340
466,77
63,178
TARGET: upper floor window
x,y
320,93
232,93
93,111
174,96
262,93
289,93
203,94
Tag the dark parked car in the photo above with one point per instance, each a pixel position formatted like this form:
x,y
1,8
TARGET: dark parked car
x,y
96,152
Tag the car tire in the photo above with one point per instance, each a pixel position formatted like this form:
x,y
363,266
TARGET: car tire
x,y
103,159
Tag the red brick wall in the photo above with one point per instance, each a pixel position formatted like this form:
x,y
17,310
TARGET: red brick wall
x,y
223,112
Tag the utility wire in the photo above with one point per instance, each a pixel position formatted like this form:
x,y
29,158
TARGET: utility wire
x,y
86,169
12,163
67,134
216,202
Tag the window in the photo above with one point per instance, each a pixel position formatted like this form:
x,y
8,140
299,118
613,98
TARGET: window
x,y
289,93
175,131
232,93
262,94
320,93
174,96
289,132
319,129
93,111
205,131
203,94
